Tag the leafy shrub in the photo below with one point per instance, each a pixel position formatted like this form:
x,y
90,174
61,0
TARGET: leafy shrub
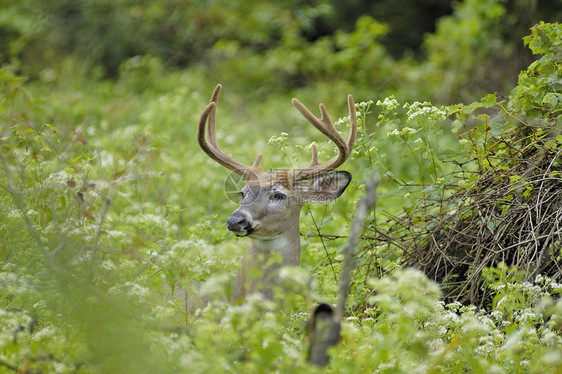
x,y
477,49
500,203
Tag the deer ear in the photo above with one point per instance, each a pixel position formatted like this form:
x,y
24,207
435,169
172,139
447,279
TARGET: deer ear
x,y
327,187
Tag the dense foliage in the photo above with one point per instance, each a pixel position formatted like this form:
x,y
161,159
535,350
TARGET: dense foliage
x,y
500,201
107,203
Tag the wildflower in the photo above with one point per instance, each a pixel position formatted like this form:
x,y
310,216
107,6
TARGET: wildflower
x,y
550,338
424,109
365,105
45,333
340,122
389,104
136,289
278,139
107,265
60,177
394,132
406,131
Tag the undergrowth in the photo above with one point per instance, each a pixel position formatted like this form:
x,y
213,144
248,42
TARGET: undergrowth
x,y
101,218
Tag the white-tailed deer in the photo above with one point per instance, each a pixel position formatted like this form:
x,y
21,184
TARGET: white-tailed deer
x,y
271,201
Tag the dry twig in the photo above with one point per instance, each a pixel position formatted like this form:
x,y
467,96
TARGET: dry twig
x,y
325,323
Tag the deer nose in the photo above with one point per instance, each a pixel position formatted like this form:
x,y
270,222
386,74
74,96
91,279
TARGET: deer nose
x,y
237,222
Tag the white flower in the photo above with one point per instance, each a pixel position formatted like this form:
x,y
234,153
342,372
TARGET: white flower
x,y
106,159
557,287
278,139
14,213
365,105
136,289
496,315
550,338
394,132
389,103
107,265
44,333
424,109
406,131
60,177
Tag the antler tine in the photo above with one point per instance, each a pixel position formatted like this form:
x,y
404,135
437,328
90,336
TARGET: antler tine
x,y
208,142
352,123
325,126
211,123
314,160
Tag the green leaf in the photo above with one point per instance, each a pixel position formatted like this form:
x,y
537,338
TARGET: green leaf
x,y
551,144
449,154
482,117
489,101
552,100
6,75
500,125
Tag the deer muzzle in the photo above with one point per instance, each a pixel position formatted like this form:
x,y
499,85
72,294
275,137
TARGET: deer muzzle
x,y
239,224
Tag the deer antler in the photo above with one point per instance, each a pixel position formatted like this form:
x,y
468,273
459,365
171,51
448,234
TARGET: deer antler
x,y
208,142
325,126
207,139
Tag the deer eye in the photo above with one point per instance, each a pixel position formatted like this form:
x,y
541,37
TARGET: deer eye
x,y
278,196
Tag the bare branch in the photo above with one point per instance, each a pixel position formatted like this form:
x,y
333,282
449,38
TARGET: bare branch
x,y
325,323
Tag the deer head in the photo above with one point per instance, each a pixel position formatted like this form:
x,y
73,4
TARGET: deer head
x,y
271,201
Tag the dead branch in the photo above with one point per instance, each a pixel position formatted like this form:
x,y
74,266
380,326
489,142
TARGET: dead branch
x,y
325,323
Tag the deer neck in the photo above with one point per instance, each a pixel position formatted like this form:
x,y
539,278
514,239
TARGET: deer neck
x,y
258,256
287,244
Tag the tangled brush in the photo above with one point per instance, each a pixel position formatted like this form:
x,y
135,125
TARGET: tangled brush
x,y
504,208
499,205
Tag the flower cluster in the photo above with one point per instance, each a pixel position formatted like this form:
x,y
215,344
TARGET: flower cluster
x,y
278,140
389,104
425,109
405,131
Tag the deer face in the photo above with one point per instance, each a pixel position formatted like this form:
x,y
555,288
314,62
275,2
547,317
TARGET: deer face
x,y
271,202
266,212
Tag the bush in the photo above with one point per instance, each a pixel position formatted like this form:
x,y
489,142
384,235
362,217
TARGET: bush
x,y
499,204
477,49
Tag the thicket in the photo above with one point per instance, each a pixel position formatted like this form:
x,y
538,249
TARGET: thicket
x,y
466,48
497,204
107,203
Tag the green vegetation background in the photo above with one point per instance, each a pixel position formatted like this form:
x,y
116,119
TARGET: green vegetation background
x,y
107,203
